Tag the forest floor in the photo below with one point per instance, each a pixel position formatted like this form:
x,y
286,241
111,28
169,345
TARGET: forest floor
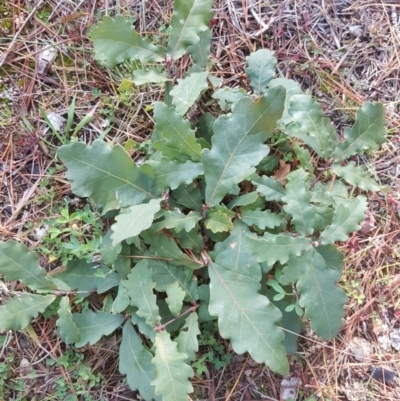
x,y
343,52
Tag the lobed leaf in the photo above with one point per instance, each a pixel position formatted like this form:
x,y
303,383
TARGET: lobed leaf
x,y
17,262
261,218
188,90
177,220
356,175
178,141
18,312
83,276
175,296
237,145
135,363
200,51
115,40
346,218
172,372
298,206
149,76
94,325
137,219
171,174
367,133
107,175
189,19
187,338
311,127
245,317
270,188
260,69
277,248
139,288
66,328
322,298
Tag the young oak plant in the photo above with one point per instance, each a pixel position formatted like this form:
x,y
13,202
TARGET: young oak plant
x,y
201,226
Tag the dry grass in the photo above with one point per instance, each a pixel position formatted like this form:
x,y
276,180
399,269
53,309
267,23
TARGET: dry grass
x,y
344,52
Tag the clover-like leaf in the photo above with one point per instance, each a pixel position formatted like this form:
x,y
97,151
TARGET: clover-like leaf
x,y
237,145
189,19
115,40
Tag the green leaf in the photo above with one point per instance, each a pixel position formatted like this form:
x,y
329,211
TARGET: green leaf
x,y
296,267
139,288
107,175
277,248
260,69
323,217
322,298
205,127
292,88
190,18
356,175
165,248
200,51
165,275
190,240
17,262
188,90
187,338
245,317
137,219
176,134
332,257
219,220
177,220
303,155
121,301
367,133
237,145
18,312
115,40
172,373
346,218
66,328
82,276
149,76
171,174
261,218
135,363
243,200
109,252
189,196
298,206
227,97
269,188
175,296
94,325
311,126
